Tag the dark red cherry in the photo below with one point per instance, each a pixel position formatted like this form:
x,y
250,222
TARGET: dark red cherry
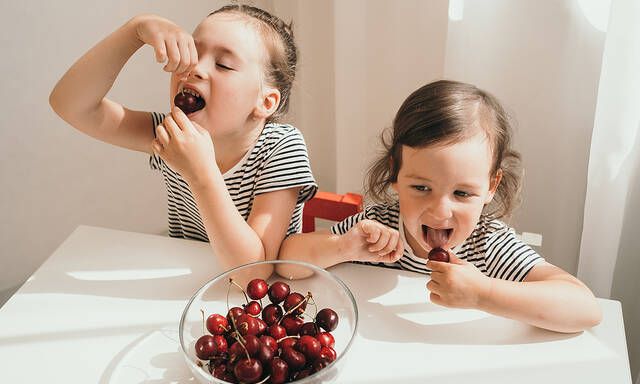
x,y
252,344
327,319
295,300
262,326
248,370
265,354
278,292
253,308
326,339
319,364
269,342
439,254
205,347
277,331
188,103
271,314
292,324
234,313
279,370
257,289
247,325
221,343
294,359
288,342
328,353
309,328
236,352
217,324
309,346
219,371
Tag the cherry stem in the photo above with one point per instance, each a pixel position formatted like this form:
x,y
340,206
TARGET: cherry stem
x,y
201,311
243,292
288,337
264,380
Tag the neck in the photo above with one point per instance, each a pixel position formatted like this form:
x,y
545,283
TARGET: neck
x,y
230,148
413,244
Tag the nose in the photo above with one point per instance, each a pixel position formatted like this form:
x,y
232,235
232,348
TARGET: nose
x,y
439,208
199,71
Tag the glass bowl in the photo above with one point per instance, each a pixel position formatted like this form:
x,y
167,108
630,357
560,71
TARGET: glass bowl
x,y
218,295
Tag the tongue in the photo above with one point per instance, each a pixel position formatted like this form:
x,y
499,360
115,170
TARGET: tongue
x,y
436,237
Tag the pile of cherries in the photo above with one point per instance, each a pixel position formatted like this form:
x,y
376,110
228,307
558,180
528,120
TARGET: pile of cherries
x,y
274,344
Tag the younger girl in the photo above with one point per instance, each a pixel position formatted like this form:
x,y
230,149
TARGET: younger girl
x,y
453,170
233,175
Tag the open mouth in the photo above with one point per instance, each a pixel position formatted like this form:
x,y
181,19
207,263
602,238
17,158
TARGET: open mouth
x,y
436,237
189,100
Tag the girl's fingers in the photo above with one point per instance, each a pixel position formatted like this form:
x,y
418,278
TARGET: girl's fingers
x,y
160,50
371,231
433,287
193,53
181,120
391,243
382,242
171,127
173,53
156,147
435,298
162,136
185,57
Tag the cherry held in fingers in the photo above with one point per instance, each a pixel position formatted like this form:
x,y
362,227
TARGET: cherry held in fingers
x,y
439,254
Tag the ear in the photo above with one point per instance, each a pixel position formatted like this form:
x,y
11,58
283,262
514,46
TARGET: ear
x,y
267,103
493,186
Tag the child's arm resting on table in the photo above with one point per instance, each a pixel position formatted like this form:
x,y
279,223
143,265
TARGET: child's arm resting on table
x,y
367,240
548,297
79,96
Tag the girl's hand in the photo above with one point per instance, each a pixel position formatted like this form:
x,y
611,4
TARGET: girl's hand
x,y
369,240
186,147
169,41
457,284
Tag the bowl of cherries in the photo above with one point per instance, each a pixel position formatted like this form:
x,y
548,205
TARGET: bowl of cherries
x,y
243,328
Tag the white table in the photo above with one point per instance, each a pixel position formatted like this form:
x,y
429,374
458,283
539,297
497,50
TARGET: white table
x,y
105,307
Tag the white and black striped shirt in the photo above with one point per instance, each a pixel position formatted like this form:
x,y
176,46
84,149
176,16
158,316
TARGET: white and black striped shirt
x,y
492,247
278,160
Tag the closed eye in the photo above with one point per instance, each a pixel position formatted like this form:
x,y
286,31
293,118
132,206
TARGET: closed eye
x,y
224,67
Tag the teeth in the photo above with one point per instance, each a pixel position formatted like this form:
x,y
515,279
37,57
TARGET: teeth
x,y
190,91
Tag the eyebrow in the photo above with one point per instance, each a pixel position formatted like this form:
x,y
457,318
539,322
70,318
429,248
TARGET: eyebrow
x,y
462,185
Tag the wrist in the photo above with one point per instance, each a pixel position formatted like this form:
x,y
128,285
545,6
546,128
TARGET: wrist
x,y
485,296
205,180
343,252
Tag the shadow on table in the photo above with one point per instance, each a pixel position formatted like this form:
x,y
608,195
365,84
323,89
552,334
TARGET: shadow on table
x,y
418,320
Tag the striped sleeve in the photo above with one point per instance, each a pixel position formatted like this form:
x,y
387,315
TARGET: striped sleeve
x,y
287,166
155,160
507,257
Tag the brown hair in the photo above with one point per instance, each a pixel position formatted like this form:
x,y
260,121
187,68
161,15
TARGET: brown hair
x,y
283,54
445,112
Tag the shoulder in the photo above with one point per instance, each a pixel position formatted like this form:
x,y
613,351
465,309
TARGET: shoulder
x,y
387,214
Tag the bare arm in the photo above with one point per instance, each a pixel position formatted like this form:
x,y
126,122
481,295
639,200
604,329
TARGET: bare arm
x,y
548,298
79,96
366,241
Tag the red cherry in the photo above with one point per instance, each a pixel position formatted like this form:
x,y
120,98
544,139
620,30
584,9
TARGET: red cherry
x,y
248,370
288,342
278,292
309,346
221,343
247,325
219,371
205,347
269,342
279,370
327,319
328,353
301,374
253,308
252,344
293,301
326,339
292,324
217,324
234,313
319,364
272,313
262,326
309,328
188,102
257,289
294,359
265,354
236,351
277,331
438,254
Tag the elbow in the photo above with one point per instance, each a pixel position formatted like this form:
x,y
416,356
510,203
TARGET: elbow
x,y
292,271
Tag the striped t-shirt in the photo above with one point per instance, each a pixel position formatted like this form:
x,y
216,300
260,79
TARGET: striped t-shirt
x,y
492,246
278,160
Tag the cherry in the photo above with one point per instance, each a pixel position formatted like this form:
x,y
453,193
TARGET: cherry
x,y
221,343
309,346
288,342
327,319
217,324
219,371
278,292
294,359
236,351
252,344
328,353
262,326
234,313
247,325
188,102
279,370
277,331
265,354
319,364
257,289
297,301
292,324
309,328
205,347
301,374
272,313
269,342
253,308
326,339
248,370
438,254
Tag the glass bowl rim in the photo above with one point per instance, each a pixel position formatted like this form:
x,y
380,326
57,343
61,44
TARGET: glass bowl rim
x,y
222,275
